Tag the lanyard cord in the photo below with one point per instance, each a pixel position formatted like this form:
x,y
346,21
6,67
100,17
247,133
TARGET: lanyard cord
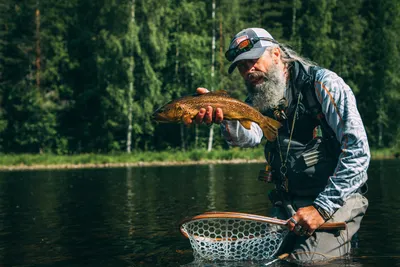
x,y
283,168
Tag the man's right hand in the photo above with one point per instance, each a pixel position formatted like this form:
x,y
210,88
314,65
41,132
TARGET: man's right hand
x,y
206,115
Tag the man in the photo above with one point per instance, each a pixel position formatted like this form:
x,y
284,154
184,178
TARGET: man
x,y
318,177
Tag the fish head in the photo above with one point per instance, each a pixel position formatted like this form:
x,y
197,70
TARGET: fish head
x,y
171,112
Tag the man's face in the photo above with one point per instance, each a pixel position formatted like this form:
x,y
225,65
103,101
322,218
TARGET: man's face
x,y
265,80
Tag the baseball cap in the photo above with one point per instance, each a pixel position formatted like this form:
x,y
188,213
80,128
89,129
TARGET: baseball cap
x,y
258,40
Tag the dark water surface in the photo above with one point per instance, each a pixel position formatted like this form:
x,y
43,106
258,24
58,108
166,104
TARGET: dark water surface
x,y
130,216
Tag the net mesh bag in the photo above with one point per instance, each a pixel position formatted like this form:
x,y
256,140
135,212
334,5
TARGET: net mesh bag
x,y
232,237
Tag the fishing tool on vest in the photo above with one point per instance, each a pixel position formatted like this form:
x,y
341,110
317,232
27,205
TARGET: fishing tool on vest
x,y
283,168
266,175
280,115
279,111
234,236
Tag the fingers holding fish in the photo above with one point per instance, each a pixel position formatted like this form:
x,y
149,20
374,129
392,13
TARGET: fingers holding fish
x,y
219,115
213,117
200,116
208,118
201,90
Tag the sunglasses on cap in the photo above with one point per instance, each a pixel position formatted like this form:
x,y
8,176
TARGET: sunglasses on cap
x,y
245,46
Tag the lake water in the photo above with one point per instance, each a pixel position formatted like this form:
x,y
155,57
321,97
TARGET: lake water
x,y
130,216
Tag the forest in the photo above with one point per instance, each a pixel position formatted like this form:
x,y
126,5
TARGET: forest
x,y
85,76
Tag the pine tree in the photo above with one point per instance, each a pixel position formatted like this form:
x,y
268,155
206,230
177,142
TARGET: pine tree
x,y
348,28
131,45
187,67
99,76
31,122
315,28
379,94
4,25
153,19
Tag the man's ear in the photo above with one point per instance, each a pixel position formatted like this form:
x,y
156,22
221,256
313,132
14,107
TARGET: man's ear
x,y
276,54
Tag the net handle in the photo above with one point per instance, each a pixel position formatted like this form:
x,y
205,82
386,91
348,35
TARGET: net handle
x,y
247,216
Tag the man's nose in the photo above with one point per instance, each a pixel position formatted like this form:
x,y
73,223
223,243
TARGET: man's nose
x,y
247,67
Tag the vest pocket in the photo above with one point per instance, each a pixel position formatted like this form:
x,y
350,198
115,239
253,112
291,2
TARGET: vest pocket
x,y
308,166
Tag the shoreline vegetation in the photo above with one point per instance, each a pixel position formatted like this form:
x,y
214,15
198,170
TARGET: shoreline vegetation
x,y
10,162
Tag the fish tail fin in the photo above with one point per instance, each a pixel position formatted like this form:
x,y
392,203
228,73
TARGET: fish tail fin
x,y
270,128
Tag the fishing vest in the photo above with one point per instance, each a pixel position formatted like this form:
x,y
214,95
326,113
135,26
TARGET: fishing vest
x,y
311,158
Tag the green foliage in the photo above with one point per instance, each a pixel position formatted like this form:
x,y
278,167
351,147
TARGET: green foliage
x,y
380,84
172,156
315,30
138,158
347,32
75,75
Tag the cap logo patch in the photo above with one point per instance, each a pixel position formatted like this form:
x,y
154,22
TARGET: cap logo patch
x,y
240,39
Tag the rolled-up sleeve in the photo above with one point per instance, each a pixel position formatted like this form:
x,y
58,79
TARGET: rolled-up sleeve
x,y
236,135
341,113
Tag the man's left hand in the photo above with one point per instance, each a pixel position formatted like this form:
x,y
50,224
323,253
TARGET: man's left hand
x,y
308,220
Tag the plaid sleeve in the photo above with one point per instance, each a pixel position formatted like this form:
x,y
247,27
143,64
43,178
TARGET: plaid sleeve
x,y
236,135
340,109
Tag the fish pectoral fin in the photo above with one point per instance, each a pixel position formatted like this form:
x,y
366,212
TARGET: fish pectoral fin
x,y
270,128
246,124
187,119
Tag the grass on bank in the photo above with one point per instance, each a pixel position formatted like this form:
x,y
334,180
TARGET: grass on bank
x,y
137,157
134,157
384,153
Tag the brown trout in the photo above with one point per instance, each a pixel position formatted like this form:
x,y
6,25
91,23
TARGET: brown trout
x,y
233,109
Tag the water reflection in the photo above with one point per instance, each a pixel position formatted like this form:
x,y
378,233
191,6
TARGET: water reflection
x,y
130,216
212,194
382,217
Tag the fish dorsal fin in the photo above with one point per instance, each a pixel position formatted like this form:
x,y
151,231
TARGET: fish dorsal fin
x,y
221,92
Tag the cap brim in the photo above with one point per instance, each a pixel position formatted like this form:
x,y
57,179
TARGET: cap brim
x,y
254,53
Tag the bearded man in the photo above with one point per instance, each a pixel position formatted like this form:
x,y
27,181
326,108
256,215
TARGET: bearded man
x,y
320,159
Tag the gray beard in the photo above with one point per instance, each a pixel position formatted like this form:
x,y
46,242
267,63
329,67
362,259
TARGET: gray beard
x,y
266,95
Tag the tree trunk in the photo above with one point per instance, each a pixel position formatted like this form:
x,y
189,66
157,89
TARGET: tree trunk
x,y
183,144
130,90
211,134
294,9
182,128
380,121
221,47
196,136
129,130
37,61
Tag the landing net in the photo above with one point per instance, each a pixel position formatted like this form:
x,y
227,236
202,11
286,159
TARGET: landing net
x,y
229,236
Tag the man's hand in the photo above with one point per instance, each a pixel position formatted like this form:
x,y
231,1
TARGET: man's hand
x,y
206,114
308,220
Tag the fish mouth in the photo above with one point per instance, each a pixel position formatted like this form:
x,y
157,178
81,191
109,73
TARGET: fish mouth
x,y
158,117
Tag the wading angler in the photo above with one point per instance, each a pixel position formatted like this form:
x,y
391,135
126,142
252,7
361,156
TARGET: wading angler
x,y
320,158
